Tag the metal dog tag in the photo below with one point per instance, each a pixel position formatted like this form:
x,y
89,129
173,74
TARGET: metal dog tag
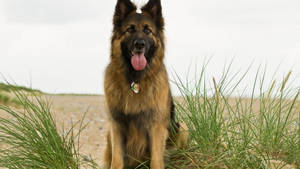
x,y
135,87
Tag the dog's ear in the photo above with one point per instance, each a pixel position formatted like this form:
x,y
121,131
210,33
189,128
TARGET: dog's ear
x,y
123,8
153,7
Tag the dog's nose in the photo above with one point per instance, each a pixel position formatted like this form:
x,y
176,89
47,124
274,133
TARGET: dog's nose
x,y
139,43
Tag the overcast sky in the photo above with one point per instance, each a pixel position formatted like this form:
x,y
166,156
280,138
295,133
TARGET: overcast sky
x,y
62,46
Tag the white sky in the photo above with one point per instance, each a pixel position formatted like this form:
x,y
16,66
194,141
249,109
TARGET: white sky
x,y
62,46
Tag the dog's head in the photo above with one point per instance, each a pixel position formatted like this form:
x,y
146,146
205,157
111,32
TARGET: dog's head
x,y
139,35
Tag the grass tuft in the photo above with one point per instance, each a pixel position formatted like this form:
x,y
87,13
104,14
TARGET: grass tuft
x,y
32,140
262,131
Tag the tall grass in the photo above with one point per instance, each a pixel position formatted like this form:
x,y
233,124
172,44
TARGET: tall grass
x,y
32,140
260,131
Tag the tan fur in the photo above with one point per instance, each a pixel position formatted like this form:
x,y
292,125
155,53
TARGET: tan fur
x,y
116,148
158,136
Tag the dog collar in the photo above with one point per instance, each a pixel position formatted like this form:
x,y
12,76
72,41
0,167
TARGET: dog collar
x,y
135,87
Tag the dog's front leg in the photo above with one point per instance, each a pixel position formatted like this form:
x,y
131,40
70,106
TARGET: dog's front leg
x,y
158,136
116,145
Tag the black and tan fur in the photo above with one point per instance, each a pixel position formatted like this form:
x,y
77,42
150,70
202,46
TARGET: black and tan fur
x,y
140,123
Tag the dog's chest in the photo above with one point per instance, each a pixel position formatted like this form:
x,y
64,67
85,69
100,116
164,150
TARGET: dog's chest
x,y
135,103
153,94
150,97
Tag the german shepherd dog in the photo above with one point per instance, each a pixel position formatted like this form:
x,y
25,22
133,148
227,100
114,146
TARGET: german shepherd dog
x,y
141,109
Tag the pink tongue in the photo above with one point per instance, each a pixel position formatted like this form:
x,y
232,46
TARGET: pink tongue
x,y
138,61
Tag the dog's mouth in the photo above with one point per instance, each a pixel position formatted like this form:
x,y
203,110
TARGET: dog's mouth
x,y
138,60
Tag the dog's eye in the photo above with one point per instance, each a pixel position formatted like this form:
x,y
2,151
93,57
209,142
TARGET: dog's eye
x,y
131,29
147,30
